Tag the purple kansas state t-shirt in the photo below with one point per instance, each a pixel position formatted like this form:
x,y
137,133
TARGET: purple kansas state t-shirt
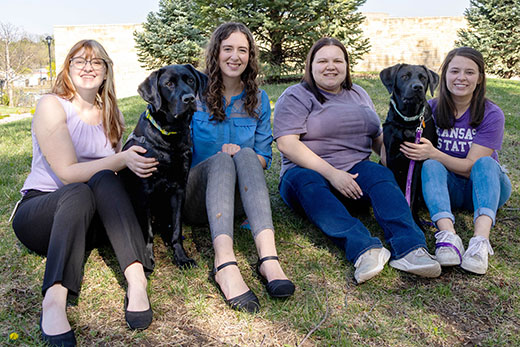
x,y
458,140
340,130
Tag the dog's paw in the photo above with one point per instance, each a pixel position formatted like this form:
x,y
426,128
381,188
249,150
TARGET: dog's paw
x,y
180,258
185,263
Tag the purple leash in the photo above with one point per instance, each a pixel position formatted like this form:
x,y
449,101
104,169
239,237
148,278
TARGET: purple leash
x,y
418,134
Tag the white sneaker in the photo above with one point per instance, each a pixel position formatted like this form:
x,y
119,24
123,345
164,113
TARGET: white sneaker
x,y
418,262
448,248
370,264
475,259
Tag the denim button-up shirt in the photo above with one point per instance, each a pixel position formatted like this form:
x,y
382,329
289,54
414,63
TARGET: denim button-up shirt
x,y
238,128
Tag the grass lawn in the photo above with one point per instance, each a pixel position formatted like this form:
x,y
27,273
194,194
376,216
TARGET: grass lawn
x,y
393,309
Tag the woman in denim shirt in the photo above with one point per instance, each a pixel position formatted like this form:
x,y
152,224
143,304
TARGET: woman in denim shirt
x,y
232,138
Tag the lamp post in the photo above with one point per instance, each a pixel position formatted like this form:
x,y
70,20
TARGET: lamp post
x,y
49,41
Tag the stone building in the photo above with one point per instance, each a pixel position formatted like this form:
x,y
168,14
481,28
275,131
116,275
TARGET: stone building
x,y
118,41
415,40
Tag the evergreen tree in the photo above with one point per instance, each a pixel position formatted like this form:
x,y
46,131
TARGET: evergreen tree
x,y
285,30
170,36
494,30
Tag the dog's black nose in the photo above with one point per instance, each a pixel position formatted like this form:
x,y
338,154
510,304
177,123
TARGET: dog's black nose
x,y
188,98
417,87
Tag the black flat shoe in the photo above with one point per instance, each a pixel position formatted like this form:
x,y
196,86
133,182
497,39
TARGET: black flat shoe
x,y
67,339
247,302
275,288
138,320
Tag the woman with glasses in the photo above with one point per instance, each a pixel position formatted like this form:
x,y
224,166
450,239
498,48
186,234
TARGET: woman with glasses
x,y
73,199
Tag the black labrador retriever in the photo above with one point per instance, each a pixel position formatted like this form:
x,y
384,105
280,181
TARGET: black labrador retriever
x,y
407,85
164,131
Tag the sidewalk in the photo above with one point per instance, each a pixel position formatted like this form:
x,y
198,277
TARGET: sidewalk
x,y
15,117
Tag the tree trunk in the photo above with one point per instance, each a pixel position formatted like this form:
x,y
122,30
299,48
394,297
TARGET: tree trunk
x,y
8,87
10,94
276,38
277,51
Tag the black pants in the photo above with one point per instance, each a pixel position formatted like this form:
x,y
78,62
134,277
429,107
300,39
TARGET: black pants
x,y
65,223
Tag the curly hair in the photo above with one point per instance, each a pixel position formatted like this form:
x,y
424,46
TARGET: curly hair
x,y
446,107
308,78
106,96
214,91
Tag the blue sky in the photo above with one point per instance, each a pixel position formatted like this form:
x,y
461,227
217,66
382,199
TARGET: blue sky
x,y
39,17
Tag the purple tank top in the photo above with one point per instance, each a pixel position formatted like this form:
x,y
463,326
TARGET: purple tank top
x,y
89,142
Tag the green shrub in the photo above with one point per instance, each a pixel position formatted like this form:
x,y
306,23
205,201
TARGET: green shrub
x,y
4,100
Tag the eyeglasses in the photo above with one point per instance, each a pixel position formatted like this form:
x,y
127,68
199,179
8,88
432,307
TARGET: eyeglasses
x,y
79,63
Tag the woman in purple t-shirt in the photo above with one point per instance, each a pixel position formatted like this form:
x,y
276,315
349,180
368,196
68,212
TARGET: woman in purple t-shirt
x,y
463,171
73,199
326,128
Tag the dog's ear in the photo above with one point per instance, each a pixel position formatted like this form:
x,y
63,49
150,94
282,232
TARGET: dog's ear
x,y
202,80
149,89
433,79
387,76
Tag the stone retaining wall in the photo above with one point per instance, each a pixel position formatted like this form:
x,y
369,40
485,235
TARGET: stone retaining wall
x,y
415,40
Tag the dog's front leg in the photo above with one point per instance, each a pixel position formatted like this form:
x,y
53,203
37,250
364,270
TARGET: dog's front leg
x,y
141,204
148,234
397,162
179,254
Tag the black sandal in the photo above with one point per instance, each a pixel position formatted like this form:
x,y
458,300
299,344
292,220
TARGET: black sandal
x,y
247,302
275,288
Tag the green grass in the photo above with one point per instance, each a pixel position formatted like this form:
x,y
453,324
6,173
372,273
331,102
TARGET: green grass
x,y
393,309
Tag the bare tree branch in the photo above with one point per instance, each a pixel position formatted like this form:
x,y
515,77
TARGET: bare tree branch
x,y
18,52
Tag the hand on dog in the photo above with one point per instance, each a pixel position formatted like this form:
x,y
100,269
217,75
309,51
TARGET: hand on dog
x,y
230,148
418,151
345,183
140,165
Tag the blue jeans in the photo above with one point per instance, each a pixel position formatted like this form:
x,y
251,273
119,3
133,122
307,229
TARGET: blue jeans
x,y
307,192
487,188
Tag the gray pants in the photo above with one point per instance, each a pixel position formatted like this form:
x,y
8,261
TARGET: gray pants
x,y
211,196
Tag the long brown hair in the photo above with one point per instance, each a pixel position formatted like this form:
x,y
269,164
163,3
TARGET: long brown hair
x,y
106,95
308,79
446,107
214,92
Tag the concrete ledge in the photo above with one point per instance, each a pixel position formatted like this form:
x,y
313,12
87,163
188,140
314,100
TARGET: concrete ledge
x,y
15,117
